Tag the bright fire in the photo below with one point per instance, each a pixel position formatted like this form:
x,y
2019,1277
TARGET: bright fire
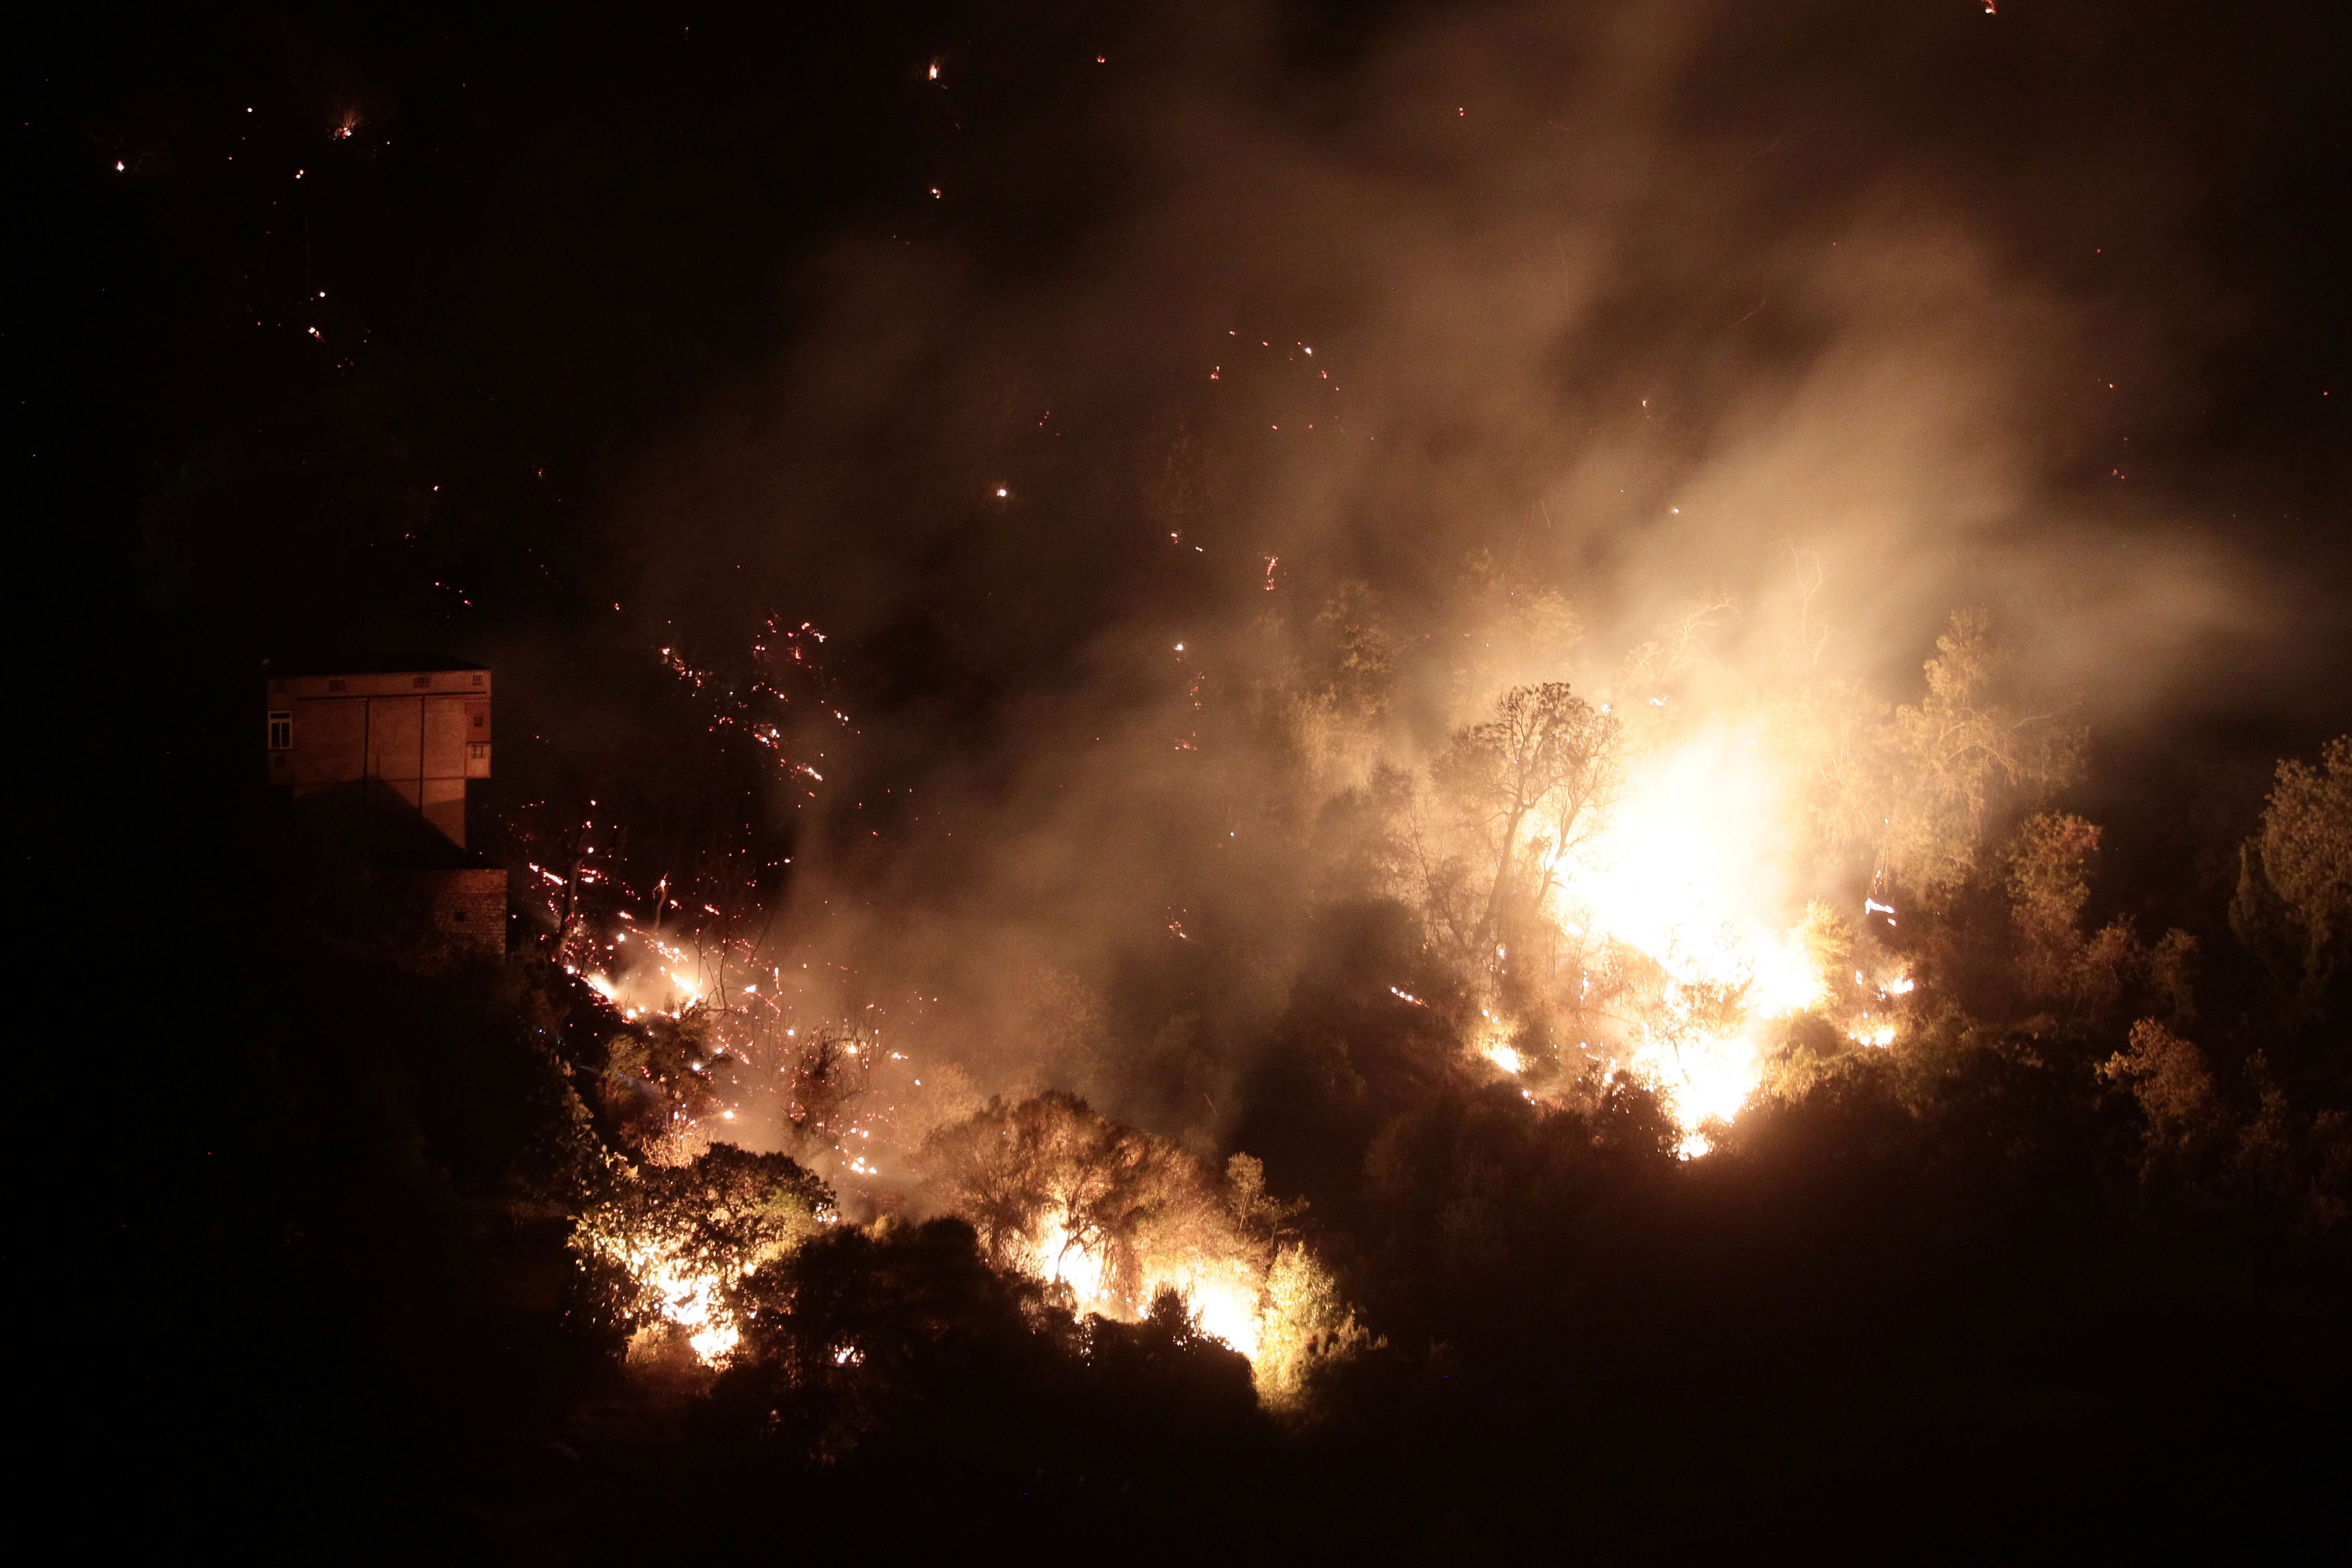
x,y
1685,873
686,1296
690,1298
1223,1299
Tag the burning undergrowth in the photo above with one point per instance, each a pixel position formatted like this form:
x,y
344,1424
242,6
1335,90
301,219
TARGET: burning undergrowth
x,y
1121,1224
1602,897
1666,879
676,1241
1104,1222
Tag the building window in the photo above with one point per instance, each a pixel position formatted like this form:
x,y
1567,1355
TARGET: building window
x,y
281,731
479,750
336,684
420,680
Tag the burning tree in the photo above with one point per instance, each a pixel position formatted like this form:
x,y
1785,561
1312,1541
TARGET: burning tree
x,y
1523,790
1105,1211
668,1243
1112,1219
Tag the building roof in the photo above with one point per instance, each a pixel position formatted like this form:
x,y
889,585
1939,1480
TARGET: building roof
x,y
355,663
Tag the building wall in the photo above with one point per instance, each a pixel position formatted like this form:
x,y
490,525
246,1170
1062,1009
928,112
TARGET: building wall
x,y
467,909
422,734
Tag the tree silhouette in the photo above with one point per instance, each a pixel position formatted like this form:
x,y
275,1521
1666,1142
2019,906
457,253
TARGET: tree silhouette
x,y
1528,784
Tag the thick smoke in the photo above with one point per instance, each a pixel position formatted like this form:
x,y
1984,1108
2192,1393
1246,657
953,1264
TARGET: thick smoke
x,y
1647,306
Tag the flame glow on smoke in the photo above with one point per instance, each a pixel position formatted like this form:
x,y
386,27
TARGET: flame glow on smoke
x,y
1686,873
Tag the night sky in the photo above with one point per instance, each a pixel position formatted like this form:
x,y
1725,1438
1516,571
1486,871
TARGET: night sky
x,y
509,269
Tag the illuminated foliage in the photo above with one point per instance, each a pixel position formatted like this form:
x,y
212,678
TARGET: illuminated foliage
x,y
1331,689
825,1077
655,1078
2048,887
2294,903
671,1240
2168,1075
2050,866
1512,629
1307,1328
1107,1215
1963,759
1358,653
1650,673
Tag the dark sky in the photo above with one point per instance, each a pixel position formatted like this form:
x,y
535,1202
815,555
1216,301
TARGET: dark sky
x,y
555,335
554,239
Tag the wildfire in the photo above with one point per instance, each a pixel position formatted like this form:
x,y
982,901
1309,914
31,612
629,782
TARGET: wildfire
x,y
1683,875
685,1236
1494,1043
691,1299
1222,1299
